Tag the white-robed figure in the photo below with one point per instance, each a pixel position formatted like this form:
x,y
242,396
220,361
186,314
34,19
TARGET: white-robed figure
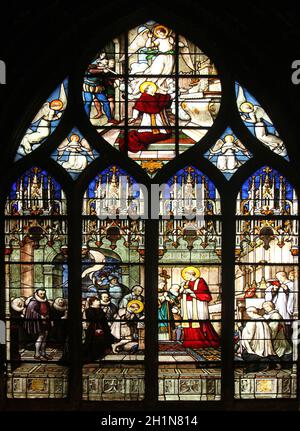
x,y
277,327
49,112
197,328
281,293
128,326
78,149
226,150
256,336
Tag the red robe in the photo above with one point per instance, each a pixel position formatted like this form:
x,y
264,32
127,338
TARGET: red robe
x,y
205,336
147,104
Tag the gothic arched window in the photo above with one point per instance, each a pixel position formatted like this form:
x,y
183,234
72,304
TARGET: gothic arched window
x,y
36,286
266,287
124,281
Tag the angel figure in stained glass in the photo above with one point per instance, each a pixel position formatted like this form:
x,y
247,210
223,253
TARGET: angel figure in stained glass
x,y
197,328
158,44
99,262
256,341
78,149
255,114
40,128
97,87
226,150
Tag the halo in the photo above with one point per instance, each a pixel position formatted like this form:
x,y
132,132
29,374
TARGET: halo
x,y
136,301
73,136
161,27
56,104
147,84
190,268
245,106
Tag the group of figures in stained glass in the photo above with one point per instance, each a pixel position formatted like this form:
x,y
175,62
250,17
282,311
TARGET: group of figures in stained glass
x,y
152,95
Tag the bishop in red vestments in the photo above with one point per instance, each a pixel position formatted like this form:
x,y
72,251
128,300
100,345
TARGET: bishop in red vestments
x,y
198,330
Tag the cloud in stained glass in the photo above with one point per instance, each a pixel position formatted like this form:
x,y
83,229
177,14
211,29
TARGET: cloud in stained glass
x,y
74,154
45,121
258,122
228,153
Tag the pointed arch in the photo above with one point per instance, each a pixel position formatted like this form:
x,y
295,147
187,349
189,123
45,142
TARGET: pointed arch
x,y
267,192
45,121
107,232
36,285
258,122
154,99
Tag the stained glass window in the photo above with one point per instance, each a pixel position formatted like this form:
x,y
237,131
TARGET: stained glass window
x,y
36,284
127,185
189,289
266,287
74,154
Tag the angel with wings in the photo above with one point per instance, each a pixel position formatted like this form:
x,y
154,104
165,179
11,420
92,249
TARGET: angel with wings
x,y
51,110
78,149
255,114
99,263
155,49
225,149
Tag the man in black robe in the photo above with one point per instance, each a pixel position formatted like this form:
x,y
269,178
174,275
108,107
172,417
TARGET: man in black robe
x,y
98,338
